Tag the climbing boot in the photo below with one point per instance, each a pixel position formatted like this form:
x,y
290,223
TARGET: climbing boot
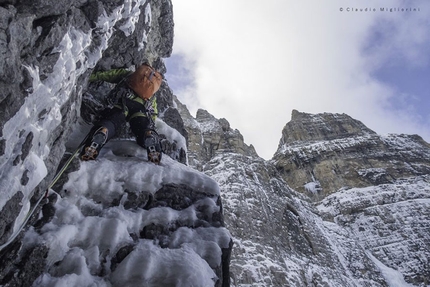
x,y
91,151
153,147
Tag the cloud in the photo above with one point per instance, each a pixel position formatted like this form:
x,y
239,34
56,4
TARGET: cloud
x,y
182,80
253,62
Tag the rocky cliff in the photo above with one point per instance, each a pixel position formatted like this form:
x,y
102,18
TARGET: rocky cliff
x,y
119,221
338,205
208,137
49,49
320,154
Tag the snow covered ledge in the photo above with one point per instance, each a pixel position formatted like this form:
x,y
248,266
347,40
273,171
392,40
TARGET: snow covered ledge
x,y
125,221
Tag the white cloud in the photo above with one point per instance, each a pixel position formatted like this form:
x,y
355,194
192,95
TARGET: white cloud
x,y
253,62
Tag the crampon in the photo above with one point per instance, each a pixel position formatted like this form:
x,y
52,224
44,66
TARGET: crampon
x,y
99,139
153,155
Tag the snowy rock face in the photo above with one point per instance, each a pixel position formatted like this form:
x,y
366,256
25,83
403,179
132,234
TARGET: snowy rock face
x,y
371,230
319,154
48,50
117,221
391,222
338,205
209,137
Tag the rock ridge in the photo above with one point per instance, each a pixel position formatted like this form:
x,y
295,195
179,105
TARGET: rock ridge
x,y
338,205
320,127
209,137
320,154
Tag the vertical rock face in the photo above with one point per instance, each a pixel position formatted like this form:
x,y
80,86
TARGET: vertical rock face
x,y
367,184
305,127
390,221
338,205
319,154
48,50
119,220
279,239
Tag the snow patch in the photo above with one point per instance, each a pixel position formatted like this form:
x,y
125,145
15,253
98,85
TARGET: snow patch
x,y
313,187
131,12
148,18
393,277
163,267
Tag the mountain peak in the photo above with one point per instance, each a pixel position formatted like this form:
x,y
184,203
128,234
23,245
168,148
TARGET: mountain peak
x,y
322,153
338,205
209,137
323,126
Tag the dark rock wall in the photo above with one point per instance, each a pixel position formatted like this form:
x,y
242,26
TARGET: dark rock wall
x,y
83,36
120,34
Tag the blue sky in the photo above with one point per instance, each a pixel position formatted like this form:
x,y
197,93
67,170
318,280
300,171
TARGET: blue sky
x,y
413,87
253,62
407,75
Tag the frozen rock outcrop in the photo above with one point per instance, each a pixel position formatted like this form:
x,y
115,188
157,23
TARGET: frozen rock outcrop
x,y
295,228
122,221
121,229
49,49
319,154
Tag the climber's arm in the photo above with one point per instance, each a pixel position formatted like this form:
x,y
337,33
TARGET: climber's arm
x,y
111,76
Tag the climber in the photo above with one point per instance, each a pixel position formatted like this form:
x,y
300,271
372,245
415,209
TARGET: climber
x,y
132,99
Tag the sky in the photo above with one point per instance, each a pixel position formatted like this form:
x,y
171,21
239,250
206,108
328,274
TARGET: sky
x,y
253,62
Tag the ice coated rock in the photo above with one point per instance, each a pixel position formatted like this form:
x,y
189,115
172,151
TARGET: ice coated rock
x,y
49,49
295,223
338,205
121,220
166,219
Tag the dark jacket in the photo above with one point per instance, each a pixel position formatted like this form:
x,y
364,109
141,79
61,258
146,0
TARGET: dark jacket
x,y
119,77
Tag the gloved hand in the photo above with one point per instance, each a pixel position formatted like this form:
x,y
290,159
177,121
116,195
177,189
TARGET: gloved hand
x,y
112,101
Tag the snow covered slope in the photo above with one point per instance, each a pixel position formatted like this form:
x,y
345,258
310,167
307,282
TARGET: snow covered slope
x,y
391,222
122,221
376,235
280,240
